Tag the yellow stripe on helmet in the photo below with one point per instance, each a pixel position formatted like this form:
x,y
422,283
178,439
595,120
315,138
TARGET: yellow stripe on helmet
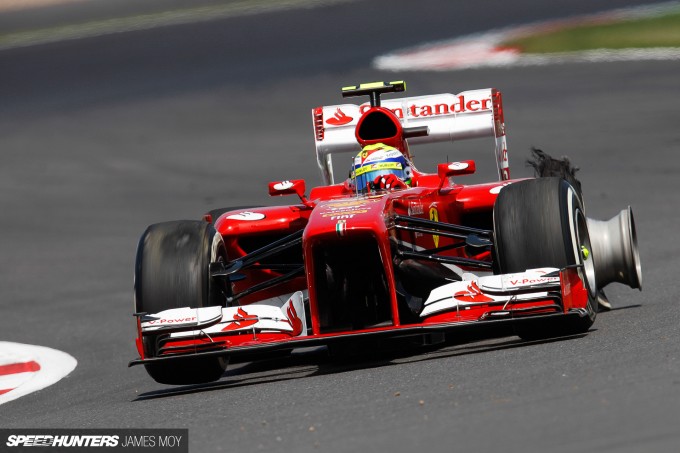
x,y
378,166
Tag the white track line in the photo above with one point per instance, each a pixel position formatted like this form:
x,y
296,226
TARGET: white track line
x,y
485,49
19,5
154,20
27,368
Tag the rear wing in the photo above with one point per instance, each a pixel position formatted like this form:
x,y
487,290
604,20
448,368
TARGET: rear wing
x,y
448,117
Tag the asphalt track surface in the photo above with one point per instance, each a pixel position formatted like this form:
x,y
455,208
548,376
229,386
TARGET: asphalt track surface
x,y
101,137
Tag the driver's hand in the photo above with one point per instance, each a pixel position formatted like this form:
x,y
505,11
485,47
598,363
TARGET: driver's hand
x,y
388,182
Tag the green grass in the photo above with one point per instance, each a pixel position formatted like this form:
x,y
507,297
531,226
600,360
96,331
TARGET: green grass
x,y
663,31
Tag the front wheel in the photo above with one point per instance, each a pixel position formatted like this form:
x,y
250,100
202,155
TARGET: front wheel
x,y
541,223
172,271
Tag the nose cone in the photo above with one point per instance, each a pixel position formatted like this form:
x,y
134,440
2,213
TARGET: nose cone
x,y
339,219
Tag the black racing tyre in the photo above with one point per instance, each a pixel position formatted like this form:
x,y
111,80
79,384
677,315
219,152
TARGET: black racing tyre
x,y
541,223
172,271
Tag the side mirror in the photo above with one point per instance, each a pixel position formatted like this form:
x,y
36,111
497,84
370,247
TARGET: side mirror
x,y
445,171
280,188
292,187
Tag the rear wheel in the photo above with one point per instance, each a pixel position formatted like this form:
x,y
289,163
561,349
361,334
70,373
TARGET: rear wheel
x,y
541,223
172,271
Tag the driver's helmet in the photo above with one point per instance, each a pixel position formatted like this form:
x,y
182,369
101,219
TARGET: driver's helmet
x,y
378,160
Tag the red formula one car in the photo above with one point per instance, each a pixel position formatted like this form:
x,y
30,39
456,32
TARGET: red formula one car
x,y
390,253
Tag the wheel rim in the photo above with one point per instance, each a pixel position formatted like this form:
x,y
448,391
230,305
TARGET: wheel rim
x,y
585,256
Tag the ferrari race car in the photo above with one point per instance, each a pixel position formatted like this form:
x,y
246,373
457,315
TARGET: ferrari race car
x,y
353,265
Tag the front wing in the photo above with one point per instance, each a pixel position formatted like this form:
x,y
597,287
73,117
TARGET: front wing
x,y
474,303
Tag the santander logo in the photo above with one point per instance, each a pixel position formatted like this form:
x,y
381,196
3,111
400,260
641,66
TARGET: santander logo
x,y
241,320
473,294
443,107
294,321
339,119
